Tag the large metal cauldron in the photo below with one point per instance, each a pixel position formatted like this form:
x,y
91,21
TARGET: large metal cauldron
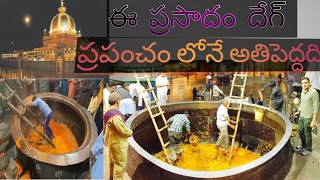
x,y
44,165
270,138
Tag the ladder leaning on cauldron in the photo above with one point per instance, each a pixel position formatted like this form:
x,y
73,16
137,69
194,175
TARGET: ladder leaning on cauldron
x,y
153,116
7,101
238,109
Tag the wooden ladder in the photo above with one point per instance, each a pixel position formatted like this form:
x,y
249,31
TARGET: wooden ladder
x,y
238,109
153,116
7,100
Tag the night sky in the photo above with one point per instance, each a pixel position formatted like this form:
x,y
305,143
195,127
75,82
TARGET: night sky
x,y
89,16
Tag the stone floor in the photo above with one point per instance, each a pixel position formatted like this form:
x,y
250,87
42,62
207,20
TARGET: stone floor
x,y
305,167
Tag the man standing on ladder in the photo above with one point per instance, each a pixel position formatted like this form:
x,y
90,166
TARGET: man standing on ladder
x,y
176,136
222,124
46,110
162,84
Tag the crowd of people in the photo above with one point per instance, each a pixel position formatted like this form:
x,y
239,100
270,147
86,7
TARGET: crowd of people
x,y
111,104
302,111
212,92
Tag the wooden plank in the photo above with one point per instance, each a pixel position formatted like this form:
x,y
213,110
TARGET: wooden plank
x,y
150,88
163,128
237,109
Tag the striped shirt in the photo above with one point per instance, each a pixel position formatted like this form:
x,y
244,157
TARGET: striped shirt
x,y
177,122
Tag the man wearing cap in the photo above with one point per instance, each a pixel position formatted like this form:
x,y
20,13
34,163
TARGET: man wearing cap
x,y
176,136
276,97
222,124
308,111
162,84
116,134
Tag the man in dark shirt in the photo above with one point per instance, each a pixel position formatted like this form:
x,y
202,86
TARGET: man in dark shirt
x,y
251,97
127,105
276,97
122,90
207,92
194,93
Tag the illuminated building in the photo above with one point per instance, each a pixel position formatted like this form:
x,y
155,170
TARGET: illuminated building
x,y
59,44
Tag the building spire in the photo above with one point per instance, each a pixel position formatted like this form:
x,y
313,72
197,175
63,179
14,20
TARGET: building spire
x,y
62,9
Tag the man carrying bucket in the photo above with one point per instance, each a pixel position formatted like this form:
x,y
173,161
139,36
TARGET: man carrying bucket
x,y
276,97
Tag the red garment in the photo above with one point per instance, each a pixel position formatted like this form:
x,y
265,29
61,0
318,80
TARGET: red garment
x,y
72,88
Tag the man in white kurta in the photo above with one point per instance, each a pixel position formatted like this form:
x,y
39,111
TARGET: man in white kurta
x,y
137,90
222,124
127,105
110,87
162,84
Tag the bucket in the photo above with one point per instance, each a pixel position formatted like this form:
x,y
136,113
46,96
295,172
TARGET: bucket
x,y
259,113
193,140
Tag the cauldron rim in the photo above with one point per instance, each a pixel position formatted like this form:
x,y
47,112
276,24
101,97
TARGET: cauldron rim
x,y
75,157
213,174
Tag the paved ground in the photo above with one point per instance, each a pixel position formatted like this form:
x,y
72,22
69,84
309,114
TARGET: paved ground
x,y
305,168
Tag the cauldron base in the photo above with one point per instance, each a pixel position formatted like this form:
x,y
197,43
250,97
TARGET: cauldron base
x,y
39,170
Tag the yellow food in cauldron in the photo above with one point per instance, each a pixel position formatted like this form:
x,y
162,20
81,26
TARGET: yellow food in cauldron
x,y
205,157
64,139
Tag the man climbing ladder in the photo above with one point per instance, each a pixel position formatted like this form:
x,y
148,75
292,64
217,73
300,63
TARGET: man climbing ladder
x,y
6,98
46,110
